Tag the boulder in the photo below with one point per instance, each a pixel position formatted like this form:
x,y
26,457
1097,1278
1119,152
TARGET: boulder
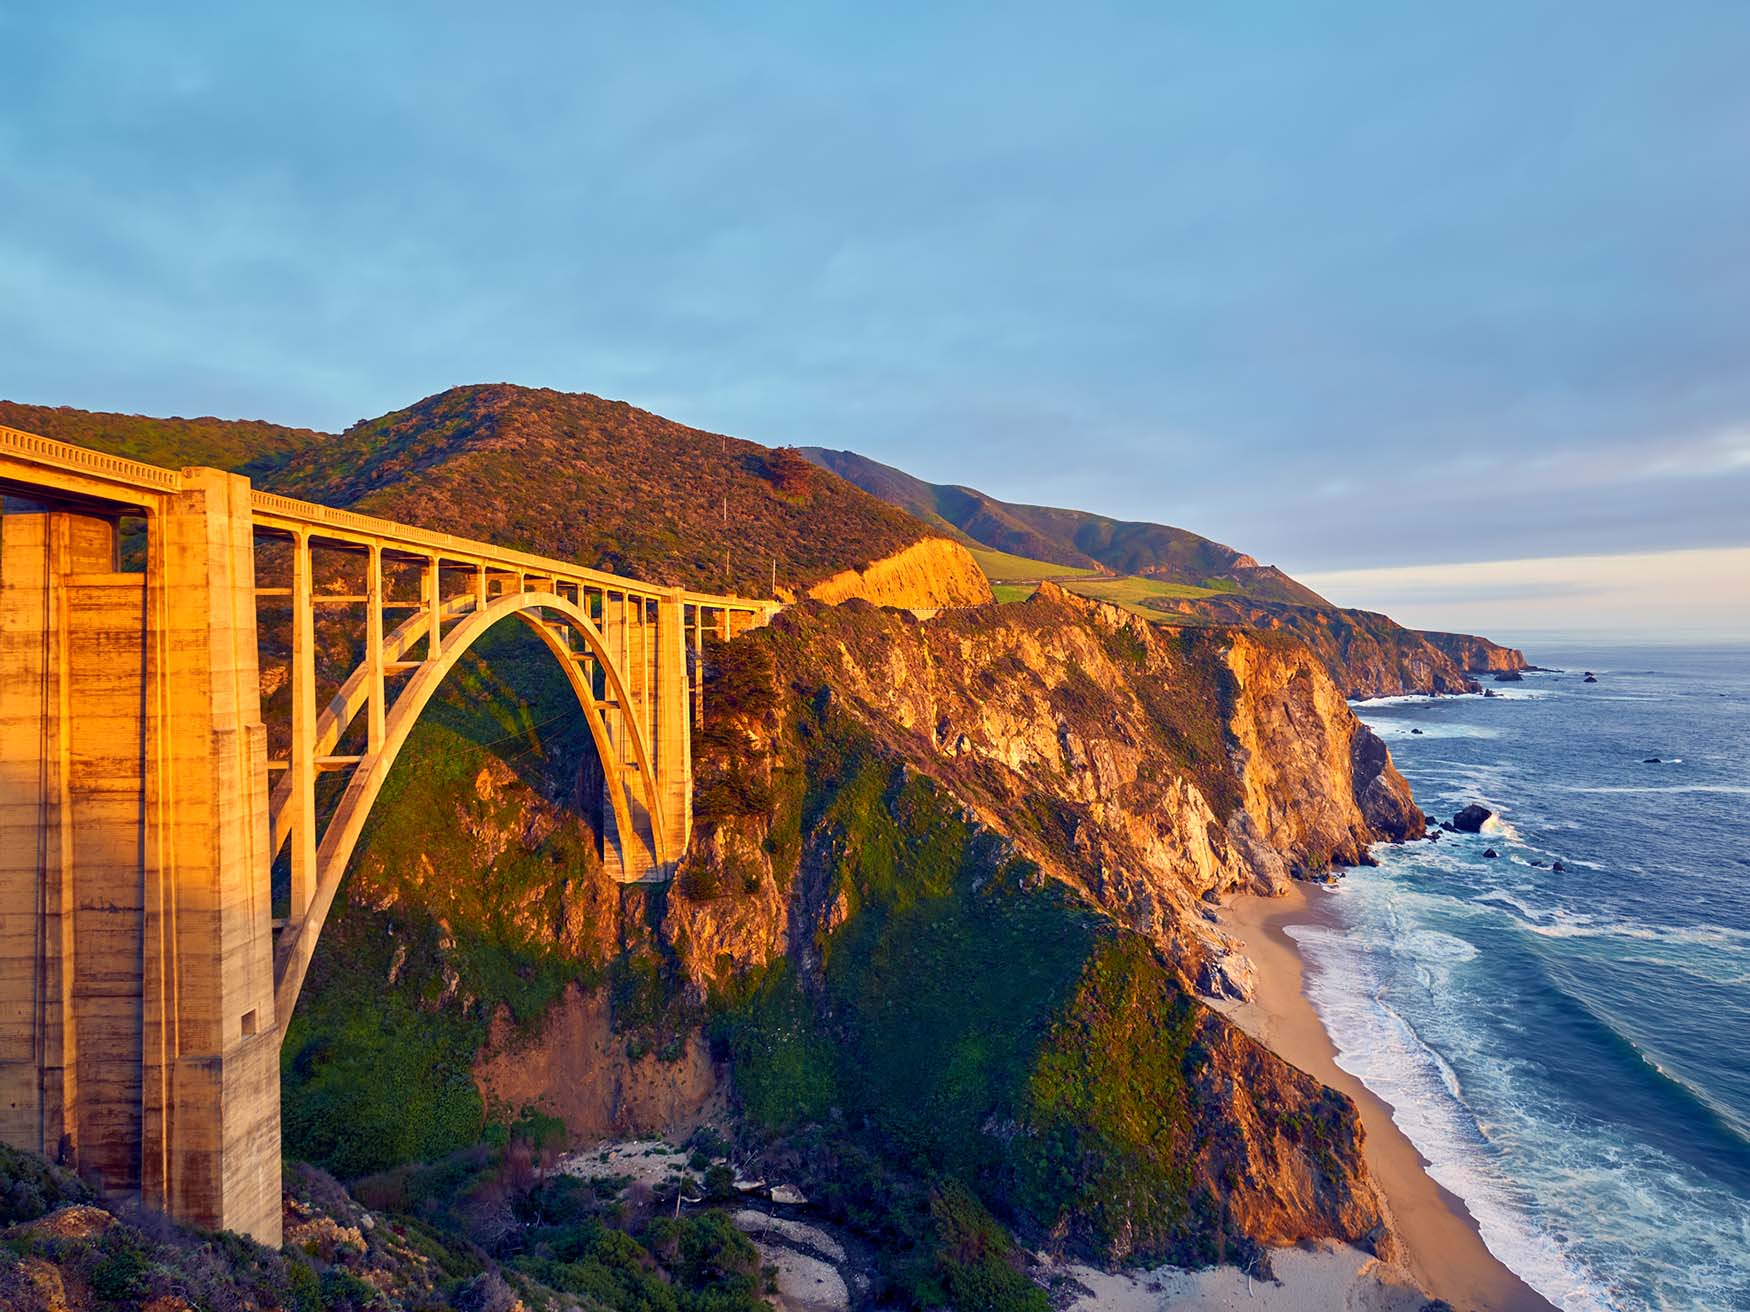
x,y
1509,676
1417,731
1652,760
1491,853
1557,866
1490,692
1471,819
1590,677
1227,975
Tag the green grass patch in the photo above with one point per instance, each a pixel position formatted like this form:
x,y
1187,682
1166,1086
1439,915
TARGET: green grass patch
x,y
1001,567
1134,593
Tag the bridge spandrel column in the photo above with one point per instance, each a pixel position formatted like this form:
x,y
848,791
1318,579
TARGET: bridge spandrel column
x,y
212,1142
620,854
674,725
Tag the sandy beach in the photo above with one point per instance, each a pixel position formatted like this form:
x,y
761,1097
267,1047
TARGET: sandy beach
x,y
1442,1250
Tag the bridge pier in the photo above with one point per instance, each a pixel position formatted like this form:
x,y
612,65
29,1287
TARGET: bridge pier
x,y
137,1034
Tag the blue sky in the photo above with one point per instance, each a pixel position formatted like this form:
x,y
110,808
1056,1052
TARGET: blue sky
x,y
1347,286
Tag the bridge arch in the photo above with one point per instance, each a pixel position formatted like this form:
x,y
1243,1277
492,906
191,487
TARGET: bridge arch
x,y
297,942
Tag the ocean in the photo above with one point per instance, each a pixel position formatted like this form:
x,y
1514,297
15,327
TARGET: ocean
x,y
1571,1051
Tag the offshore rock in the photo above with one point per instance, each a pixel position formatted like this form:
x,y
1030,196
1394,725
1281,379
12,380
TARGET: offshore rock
x,y
1472,819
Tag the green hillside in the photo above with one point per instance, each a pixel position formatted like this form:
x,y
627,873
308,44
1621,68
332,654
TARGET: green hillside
x,y
1075,539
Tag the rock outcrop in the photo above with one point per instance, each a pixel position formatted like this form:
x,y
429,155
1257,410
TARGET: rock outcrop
x,y
1476,655
576,1067
1366,654
927,575
1472,819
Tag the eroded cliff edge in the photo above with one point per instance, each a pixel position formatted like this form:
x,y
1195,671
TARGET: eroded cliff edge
x,y
926,575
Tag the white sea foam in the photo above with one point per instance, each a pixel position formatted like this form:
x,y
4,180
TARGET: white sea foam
x,y
1499,826
1730,790
1381,1049
1396,729
1433,945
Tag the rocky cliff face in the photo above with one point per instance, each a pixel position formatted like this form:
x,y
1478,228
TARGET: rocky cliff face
x,y
1144,768
1368,655
927,575
1476,655
867,766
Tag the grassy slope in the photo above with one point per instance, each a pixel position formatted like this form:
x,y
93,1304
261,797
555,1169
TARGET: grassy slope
x,y
1004,567
1014,578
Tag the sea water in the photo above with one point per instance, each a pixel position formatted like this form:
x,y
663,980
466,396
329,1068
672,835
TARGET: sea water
x,y
1570,1050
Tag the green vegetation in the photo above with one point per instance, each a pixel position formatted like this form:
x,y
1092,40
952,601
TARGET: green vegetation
x,y
582,478
375,1075
976,1044
481,1228
1005,592
29,1187
1107,1105
1001,567
1134,593
246,445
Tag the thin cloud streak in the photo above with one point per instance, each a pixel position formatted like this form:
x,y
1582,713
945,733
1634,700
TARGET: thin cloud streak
x,y
1705,593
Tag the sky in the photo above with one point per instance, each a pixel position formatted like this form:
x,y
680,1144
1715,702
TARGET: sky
x,y
1352,287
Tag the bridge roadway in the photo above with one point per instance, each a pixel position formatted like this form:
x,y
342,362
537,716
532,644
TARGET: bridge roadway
x,y
146,975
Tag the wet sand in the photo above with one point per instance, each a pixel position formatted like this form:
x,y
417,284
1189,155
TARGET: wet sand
x,y
1442,1249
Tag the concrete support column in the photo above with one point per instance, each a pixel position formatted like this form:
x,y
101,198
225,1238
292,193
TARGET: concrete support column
x,y
51,666
376,711
434,609
673,729
209,943
618,851
304,713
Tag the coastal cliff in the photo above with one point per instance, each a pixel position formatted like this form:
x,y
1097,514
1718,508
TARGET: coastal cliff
x,y
1145,768
894,803
1476,655
1367,654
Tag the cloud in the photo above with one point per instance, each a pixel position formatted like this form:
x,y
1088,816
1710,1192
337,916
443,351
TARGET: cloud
x,y
1161,264
1698,592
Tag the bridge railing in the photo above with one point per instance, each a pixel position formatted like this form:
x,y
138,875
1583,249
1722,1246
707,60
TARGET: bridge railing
x,y
32,448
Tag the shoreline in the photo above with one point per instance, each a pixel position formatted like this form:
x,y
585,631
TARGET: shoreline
x,y
1441,1248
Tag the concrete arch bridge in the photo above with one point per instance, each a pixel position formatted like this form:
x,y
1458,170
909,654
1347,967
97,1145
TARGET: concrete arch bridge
x,y
145,977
